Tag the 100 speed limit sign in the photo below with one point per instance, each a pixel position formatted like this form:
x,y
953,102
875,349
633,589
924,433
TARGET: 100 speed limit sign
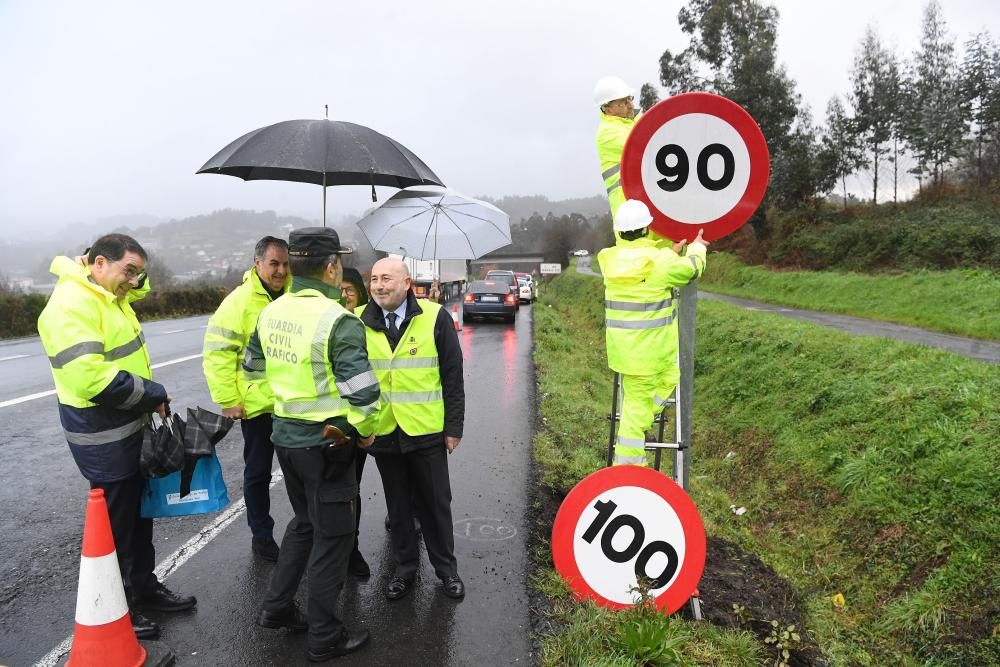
x,y
698,161
624,523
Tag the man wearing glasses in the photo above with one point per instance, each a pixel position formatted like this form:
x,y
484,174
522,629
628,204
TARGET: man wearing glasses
x,y
102,375
614,98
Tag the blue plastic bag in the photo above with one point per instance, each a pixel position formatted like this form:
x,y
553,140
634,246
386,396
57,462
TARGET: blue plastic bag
x,y
161,497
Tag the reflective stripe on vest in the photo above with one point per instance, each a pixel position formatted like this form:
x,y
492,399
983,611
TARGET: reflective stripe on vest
x,y
409,376
294,333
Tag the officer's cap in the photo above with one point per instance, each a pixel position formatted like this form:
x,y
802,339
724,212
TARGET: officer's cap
x,y
315,242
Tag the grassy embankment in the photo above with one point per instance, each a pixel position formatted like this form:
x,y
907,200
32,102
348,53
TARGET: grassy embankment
x,y
963,302
868,468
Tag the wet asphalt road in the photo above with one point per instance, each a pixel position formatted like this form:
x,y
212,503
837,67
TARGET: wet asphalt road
x,y
43,496
980,350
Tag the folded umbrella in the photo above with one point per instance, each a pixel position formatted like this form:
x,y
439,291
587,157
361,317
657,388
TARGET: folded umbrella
x,y
204,430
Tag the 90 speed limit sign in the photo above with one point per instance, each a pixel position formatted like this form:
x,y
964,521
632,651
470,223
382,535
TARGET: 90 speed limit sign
x,y
698,161
626,522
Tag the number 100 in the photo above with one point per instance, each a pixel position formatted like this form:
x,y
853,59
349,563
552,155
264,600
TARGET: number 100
x,y
635,548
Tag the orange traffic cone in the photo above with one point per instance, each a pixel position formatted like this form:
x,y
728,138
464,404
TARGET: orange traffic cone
x,y
103,634
454,317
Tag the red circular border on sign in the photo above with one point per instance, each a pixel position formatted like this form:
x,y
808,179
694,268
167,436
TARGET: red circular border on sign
x,y
583,495
745,126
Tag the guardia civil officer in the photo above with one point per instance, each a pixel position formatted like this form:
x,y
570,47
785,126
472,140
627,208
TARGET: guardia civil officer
x,y
226,338
103,383
311,352
640,309
415,352
614,99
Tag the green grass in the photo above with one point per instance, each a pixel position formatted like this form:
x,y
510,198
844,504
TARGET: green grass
x,y
963,302
869,468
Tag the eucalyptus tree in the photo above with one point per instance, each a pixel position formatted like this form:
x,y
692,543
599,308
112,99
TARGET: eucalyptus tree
x,y
840,143
874,99
980,81
936,111
732,52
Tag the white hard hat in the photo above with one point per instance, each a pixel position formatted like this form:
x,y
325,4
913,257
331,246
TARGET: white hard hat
x,y
632,215
611,88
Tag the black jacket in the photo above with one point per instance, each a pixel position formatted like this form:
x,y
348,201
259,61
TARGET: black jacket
x,y
452,381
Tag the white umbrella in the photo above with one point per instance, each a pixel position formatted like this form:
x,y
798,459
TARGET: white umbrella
x,y
429,222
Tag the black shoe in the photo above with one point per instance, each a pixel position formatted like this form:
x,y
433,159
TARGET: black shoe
x,y
398,587
162,598
453,587
357,565
349,642
266,549
143,627
291,617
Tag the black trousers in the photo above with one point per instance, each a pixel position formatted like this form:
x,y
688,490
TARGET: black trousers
x,y
258,456
360,457
133,534
420,475
319,537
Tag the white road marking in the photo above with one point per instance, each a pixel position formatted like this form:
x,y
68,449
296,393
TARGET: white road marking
x,y
176,361
172,331
43,394
173,562
14,356
25,399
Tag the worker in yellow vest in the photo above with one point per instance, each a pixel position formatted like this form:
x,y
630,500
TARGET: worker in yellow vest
x,y
311,353
640,309
618,116
106,393
226,338
416,355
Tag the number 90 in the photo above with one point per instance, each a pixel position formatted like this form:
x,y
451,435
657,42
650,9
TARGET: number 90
x,y
675,176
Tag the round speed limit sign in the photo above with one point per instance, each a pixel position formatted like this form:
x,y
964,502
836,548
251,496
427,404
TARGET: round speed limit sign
x,y
698,161
626,522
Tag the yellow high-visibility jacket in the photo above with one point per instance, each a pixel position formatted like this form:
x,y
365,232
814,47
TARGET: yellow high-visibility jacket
x,y
101,371
611,136
409,376
226,338
639,304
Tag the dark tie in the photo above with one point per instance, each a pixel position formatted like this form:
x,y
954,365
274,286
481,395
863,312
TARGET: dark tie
x,y
393,329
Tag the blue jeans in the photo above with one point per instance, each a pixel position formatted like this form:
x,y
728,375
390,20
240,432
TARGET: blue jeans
x,y
258,455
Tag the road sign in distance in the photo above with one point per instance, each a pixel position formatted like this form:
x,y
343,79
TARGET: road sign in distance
x,y
549,269
698,161
626,522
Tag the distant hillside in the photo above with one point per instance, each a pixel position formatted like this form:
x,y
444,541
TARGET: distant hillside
x,y
520,208
225,239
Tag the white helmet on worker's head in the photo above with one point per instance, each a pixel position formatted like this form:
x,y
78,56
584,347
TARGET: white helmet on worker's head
x,y
632,215
611,88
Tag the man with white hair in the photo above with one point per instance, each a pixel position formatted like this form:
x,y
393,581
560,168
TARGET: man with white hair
x,y
640,310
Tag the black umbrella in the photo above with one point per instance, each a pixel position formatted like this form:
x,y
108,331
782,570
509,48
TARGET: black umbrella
x,y
324,152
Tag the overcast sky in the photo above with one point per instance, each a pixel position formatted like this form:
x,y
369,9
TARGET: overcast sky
x,y
110,107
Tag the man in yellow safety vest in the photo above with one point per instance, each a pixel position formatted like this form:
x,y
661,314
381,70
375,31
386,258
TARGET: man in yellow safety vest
x,y
103,383
418,360
614,98
640,308
226,338
311,353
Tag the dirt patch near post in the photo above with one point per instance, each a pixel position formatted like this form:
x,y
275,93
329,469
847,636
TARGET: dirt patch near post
x,y
739,590
732,577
